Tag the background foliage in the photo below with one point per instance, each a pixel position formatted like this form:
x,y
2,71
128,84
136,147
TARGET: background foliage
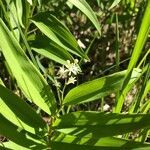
x,y
74,74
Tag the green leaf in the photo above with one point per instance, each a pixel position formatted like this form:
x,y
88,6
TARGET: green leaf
x,y
97,88
18,112
87,10
14,23
116,2
139,45
28,77
19,10
97,125
51,50
12,146
64,141
30,2
20,137
57,32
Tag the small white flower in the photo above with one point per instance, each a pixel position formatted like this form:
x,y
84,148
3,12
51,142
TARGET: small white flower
x,y
73,67
71,80
81,44
106,107
62,73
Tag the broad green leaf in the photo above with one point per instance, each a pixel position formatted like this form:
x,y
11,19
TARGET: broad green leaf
x,y
64,141
57,32
20,137
87,10
97,88
97,125
116,2
50,49
28,77
19,112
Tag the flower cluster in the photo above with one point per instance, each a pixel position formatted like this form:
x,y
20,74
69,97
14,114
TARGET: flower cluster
x,y
69,70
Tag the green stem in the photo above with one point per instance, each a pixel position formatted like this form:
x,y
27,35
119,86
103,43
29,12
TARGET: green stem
x,y
117,45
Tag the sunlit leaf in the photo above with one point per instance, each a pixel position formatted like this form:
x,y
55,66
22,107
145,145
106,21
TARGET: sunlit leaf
x,y
97,125
18,112
21,137
64,141
28,77
51,50
97,88
57,32
116,2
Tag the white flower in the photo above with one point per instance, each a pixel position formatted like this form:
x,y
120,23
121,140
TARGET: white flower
x,y
81,44
71,80
106,107
73,67
62,73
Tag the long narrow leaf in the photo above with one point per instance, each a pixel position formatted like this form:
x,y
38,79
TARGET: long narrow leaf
x,y
87,10
28,77
116,2
57,32
97,88
96,125
141,39
18,112
18,136
64,141
50,49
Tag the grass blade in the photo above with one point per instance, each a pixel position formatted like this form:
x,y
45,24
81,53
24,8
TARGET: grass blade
x,y
141,39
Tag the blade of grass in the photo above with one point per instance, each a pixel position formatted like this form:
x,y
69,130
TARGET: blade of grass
x,y
141,39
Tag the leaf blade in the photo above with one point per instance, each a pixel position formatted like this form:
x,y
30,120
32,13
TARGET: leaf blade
x,y
51,50
22,137
97,125
57,32
18,112
97,88
25,72
65,141
87,10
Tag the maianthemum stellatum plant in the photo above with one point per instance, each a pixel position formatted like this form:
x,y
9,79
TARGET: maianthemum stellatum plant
x,y
24,126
